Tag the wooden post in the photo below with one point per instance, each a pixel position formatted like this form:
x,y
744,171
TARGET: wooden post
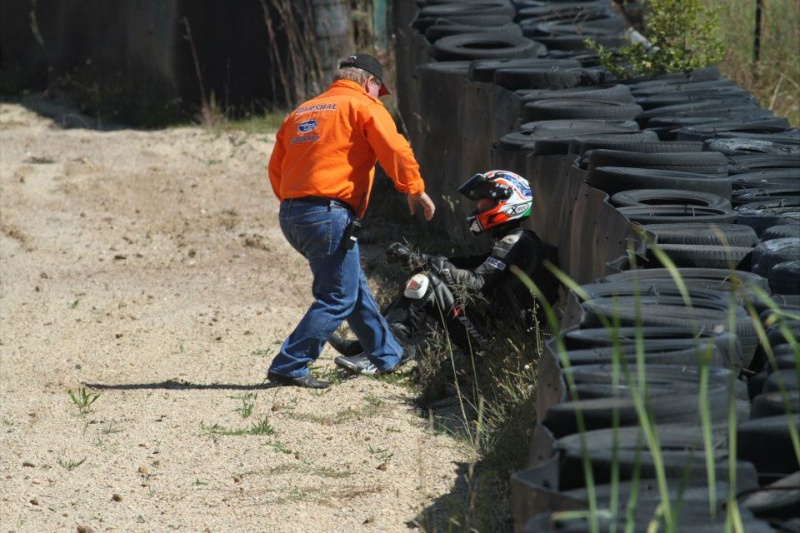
x,y
757,36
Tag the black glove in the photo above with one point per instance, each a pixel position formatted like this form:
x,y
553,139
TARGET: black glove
x,y
400,254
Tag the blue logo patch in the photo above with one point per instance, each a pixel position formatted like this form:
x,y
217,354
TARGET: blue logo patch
x,y
307,126
495,263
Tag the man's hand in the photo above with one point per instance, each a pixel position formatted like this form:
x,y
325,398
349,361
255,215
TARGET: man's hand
x,y
415,200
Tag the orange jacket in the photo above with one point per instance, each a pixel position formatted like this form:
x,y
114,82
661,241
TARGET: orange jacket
x,y
329,145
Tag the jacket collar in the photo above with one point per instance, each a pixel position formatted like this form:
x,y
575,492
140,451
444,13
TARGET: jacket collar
x,y
340,86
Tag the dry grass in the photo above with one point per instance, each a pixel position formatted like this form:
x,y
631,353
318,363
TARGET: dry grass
x,y
775,78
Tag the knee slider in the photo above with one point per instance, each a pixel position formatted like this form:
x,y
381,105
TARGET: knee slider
x,y
418,287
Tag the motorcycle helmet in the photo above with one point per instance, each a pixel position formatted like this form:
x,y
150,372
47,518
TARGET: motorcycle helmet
x,y
511,193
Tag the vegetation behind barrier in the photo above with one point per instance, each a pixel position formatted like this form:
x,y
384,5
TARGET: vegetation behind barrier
x,y
769,69
682,34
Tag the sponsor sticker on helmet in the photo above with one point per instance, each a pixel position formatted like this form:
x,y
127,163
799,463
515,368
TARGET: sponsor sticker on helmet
x,y
519,209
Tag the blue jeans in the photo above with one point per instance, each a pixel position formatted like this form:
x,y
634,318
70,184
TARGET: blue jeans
x,y
316,230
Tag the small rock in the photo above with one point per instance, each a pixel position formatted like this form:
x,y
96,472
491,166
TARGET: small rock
x,y
34,501
237,478
383,466
84,529
28,464
144,470
116,498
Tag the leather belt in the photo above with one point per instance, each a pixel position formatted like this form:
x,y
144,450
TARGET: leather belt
x,y
321,200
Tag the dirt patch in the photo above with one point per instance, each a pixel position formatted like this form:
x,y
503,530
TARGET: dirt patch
x,y
145,273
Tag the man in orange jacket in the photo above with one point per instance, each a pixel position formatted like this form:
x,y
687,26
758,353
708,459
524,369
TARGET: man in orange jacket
x,y
322,169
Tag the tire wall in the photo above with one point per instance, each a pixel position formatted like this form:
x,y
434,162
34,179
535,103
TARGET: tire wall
x,y
453,124
692,160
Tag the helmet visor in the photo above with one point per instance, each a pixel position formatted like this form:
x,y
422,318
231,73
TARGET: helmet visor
x,y
481,186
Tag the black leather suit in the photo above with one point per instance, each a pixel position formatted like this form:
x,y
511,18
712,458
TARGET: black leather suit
x,y
469,296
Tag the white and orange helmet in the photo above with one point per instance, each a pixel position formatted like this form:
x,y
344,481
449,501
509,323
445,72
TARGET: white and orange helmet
x,y
512,195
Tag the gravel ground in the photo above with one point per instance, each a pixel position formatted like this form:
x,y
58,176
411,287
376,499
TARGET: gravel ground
x,y
145,273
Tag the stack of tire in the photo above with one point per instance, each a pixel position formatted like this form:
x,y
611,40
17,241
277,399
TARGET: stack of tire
x,y
646,347
713,181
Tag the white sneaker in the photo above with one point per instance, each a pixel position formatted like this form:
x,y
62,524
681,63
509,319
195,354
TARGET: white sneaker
x,y
358,364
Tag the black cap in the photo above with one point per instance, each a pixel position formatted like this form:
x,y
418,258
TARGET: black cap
x,y
369,64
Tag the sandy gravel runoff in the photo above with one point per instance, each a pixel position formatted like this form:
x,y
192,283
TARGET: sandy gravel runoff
x,y
145,271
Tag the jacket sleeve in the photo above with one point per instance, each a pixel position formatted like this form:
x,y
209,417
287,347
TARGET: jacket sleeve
x,y
393,151
494,268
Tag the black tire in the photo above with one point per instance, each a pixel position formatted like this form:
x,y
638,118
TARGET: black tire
x,y
767,444
422,23
607,26
749,121
682,352
651,145
485,45
531,14
592,338
614,93
577,43
664,99
738,146
744,287
616,179
711,107
676,214
773,196
712,276
780,232
484,69
476,10
693,233
580,109
547,78
784,177
673,398
775,404
699,128
784,379
666,289
784,278
761,219
532,133
701,87
563,145
658,197
437,31
705,74
740,164
688,467
672,312
769,253
701,162
704,256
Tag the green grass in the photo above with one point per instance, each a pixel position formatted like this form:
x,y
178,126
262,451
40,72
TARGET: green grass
x,y
775,78
256,123
82,399
259,427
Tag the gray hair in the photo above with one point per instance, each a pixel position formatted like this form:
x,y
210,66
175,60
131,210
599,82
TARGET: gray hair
x,y
351,73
